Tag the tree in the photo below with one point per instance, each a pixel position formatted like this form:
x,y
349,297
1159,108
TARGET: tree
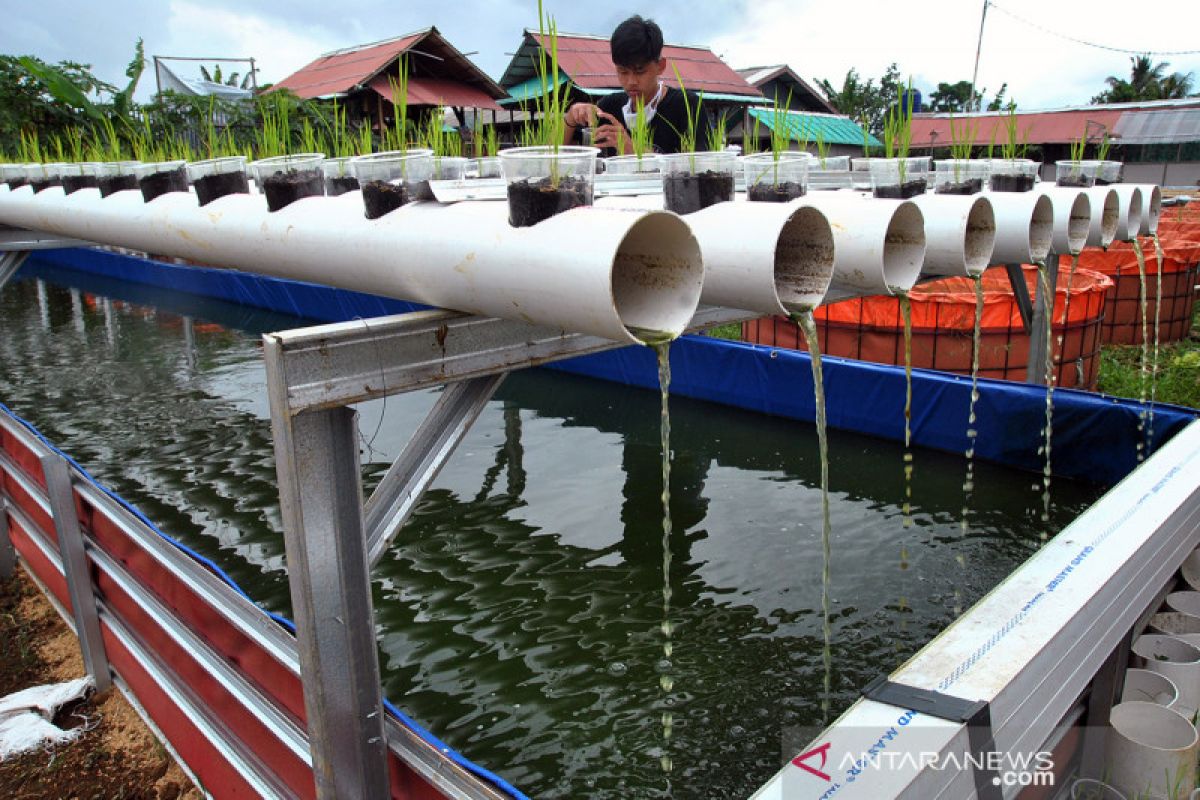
x,y
1147,81
865,101
997,103
954,97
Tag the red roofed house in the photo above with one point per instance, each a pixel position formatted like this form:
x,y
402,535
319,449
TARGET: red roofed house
x,y
585,61
1159,141
439,75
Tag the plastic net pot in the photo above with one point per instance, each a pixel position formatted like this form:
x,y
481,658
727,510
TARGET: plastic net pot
x,y
943,319
43,176
286,179
692,181
898,178
159,177
632,165
960,175
218,177
79,175
776,179
116,176
392,179
1076,174
544,181
339,177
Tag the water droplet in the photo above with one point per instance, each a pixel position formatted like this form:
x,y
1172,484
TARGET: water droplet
x,y
666,763
617,668
667,683
663,665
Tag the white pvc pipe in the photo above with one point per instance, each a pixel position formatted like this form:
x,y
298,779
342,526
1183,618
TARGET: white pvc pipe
x,y
880,244
1072,217
1105,212
1129,211
774,258
1024,226
960,234
611,273
1151,750
1151,207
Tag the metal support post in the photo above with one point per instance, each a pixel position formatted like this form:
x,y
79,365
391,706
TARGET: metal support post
x,y
1106,692
8,554
1016,278
76,568
1041,338
320,494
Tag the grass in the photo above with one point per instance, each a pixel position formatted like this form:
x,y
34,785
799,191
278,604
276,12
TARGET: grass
x,y
1178,369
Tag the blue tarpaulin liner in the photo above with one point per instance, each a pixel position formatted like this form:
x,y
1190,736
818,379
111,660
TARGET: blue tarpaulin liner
x,y
1095,436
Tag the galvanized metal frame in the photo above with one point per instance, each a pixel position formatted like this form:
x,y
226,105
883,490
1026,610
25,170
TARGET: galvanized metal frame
x,y
313,374
76,569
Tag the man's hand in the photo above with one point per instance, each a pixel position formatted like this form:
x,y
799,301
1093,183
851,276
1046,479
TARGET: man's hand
x,y
610,133
580,115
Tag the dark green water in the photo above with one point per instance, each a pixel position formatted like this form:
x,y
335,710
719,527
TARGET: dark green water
x,y
520,610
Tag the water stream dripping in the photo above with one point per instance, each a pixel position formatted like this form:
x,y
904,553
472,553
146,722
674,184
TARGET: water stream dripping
x,y
972,432
1145,371
665,680
1048,428
1158,251
906,313
807,324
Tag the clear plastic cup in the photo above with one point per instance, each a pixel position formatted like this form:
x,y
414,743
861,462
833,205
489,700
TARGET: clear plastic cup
x,y
339,176
43,176
960,175
116,176
1110,172
449,168
159,177
488,167
218,177
393,179
899,178
78,175
1080,174
14,175
1013,174
632,165
692,181
775,179
286,179
544,181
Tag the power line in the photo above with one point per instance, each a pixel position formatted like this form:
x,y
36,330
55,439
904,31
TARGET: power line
x,y
1087,43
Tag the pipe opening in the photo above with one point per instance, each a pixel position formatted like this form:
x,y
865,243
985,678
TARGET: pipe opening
x,y
1041,228
904,247
657,276
980,238
1109,215
803,260
1079,223
1133,215
1152,210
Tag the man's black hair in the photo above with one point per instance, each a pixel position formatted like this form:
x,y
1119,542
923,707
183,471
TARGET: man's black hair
x,y
636,42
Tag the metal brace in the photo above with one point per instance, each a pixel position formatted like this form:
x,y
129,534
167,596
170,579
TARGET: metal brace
x,y
975,714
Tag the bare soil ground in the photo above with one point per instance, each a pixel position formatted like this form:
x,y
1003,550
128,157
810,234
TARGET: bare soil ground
x,y
117,758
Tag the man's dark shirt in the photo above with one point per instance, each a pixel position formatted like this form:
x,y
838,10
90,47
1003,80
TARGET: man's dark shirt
x,y
670,120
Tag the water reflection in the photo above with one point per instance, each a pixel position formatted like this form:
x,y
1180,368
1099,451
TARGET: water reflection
x,y
519,610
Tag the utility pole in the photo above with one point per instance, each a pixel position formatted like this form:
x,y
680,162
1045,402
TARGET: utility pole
x,y
979,46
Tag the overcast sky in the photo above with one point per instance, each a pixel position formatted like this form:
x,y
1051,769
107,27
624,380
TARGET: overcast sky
x,y
930,40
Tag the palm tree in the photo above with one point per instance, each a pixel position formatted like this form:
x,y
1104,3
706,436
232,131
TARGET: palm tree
x,y
1147,81
215,76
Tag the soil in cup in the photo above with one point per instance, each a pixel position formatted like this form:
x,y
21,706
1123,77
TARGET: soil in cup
x,y
210,187
340,185
969,186
901,191
159,183
687,193
284,188
383,197
116,183
775,192
1012,183
73,183
531,201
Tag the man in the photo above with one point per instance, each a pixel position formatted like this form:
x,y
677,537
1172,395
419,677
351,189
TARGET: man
x,y
636,48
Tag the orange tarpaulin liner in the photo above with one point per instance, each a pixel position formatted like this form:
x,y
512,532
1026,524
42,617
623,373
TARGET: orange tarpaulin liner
x,y
943,317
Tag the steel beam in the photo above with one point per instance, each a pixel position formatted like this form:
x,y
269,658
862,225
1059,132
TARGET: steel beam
x,y
431,445
76,568
8,555
1041,336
